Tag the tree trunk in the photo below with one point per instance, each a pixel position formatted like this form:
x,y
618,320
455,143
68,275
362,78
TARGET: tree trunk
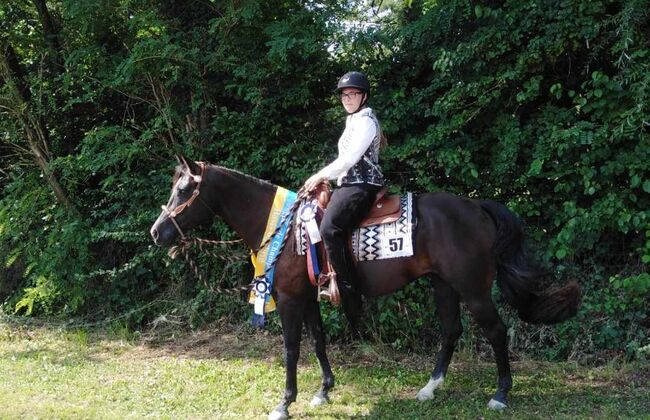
x,y
34,127
51,35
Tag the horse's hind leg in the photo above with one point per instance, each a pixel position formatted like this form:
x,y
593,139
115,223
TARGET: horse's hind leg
x,y
314,324
291,314
486,315
448,308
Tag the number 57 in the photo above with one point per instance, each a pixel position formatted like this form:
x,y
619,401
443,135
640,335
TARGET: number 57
x,y
396,244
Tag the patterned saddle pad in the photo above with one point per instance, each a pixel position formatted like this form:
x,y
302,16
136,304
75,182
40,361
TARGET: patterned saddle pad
x,y
380,241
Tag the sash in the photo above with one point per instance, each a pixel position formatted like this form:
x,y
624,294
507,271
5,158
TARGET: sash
x,y
263,261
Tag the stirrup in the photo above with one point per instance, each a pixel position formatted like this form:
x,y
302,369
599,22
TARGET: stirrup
x,y
331,292
324,294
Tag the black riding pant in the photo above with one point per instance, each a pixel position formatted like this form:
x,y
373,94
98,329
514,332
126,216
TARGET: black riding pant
x,y
347,207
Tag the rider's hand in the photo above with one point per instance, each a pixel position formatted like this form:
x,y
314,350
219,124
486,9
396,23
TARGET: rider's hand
x,y
313,182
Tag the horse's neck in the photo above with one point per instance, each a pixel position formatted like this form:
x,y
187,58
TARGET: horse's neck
x,y
242,201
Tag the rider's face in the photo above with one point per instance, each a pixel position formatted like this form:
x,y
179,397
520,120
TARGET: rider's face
x,y
351,99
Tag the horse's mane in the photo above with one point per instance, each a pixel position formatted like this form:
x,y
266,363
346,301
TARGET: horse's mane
x,y
257,181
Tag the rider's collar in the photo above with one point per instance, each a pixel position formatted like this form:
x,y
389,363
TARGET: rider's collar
x,y
363,111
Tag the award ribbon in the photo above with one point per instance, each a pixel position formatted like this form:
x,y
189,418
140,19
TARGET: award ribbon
x,y
260,295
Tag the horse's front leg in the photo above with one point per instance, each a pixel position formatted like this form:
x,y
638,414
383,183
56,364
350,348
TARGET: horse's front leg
x,y
291,314
314,324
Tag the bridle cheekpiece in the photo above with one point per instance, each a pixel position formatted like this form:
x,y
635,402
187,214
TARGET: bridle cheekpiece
x,y
198,179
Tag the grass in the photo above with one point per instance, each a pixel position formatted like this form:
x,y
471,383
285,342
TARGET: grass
x,y
48,372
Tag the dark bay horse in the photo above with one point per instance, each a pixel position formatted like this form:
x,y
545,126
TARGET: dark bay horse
x,y
460,244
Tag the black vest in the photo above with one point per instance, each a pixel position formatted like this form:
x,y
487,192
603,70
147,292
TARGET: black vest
x,y
366,170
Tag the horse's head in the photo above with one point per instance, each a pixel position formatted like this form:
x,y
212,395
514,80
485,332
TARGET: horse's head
x,y
186,208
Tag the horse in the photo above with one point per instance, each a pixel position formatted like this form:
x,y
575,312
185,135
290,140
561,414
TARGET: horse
x,y
459,244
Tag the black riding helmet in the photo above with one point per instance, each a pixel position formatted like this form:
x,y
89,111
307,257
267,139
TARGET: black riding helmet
x,y
355,79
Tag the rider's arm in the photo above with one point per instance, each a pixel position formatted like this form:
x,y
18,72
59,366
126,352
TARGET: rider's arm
x,y
354,142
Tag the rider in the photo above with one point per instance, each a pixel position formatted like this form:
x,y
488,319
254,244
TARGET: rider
x,y
358,177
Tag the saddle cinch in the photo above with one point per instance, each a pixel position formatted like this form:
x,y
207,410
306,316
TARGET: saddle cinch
x,y
385,209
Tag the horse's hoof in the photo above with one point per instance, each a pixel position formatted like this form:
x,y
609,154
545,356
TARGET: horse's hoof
x,y
318,400
426,393
278,415
496,405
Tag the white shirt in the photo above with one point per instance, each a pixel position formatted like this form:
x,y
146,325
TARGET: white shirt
x,y
360,130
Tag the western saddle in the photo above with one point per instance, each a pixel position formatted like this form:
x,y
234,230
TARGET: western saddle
x,y
385,209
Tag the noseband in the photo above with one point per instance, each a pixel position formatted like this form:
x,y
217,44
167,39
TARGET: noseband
x,y
195,194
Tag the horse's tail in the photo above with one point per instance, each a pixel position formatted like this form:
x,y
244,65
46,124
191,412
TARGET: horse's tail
x,y
518,276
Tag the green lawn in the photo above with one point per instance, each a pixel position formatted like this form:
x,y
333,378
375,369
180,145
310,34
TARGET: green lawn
x,y
49,372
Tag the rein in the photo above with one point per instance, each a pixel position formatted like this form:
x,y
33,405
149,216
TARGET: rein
x,y
187,243
183,249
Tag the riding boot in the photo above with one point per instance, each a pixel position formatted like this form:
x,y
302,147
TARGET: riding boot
x,y
346,208
348,285
353,307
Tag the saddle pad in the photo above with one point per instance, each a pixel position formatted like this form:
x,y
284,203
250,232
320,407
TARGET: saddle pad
x,y
387,240
377,242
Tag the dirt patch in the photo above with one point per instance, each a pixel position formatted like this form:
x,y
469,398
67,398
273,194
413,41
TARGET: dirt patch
x,y
222,343
636,378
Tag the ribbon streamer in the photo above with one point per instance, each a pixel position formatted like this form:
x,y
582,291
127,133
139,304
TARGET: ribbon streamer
x,y
263,261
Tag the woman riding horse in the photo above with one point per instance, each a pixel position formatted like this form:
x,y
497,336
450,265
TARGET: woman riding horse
x,y
358,177
459,244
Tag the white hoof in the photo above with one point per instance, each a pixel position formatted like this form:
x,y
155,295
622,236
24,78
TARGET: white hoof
x,y
277,415
318,400
496,405
426,393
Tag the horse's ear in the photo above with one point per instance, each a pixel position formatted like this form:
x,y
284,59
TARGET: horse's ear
x,y
189,164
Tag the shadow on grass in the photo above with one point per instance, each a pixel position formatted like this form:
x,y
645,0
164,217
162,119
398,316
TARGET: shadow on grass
x,y
580,403
537,394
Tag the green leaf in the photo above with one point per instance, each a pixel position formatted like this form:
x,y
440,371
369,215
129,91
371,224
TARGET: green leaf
x,y
12,258
536,167
646,186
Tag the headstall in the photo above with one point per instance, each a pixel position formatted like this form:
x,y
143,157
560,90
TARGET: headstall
x,y
195,194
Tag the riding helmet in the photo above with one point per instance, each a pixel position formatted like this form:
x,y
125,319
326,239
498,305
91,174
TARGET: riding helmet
x,y
353,79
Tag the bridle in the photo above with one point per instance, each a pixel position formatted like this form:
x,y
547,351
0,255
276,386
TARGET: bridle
x,y
198,179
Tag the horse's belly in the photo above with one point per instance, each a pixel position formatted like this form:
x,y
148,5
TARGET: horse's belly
x,y
383,277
